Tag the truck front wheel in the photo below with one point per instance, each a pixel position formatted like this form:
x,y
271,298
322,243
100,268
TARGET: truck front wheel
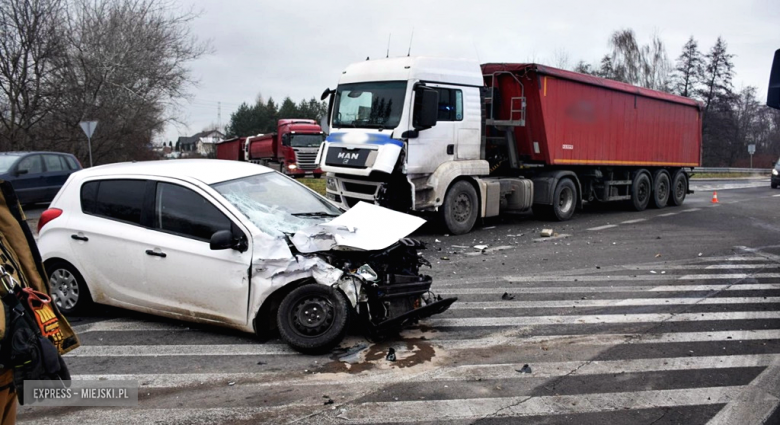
x,y
641,190
460,209
679,189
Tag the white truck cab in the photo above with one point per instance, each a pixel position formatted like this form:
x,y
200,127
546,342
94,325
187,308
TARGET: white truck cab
x,y
403,131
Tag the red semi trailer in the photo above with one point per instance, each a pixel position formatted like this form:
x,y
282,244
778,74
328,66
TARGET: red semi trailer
x,y
291,150
470,141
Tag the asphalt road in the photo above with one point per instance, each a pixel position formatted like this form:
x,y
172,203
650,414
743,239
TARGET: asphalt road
x,y
656,317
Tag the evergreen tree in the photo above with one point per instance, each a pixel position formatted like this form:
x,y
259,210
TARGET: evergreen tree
x,y
716,75
688,70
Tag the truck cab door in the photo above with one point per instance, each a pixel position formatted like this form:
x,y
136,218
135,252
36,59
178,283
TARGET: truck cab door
x,y
437,144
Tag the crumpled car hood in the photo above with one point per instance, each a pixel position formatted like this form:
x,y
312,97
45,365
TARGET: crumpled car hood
x,y
364,227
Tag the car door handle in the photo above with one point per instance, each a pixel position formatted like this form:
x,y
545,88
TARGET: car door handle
x,y
79,238
155,253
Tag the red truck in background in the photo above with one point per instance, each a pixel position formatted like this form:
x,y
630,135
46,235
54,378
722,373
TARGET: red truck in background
x,y
291,150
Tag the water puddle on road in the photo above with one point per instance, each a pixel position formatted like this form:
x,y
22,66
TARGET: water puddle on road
x,y
359,357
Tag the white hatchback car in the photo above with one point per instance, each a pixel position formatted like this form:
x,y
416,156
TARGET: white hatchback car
x,y
232,244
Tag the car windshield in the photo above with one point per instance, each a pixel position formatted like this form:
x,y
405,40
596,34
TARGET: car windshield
x,y
369,105
276,204
6,161
306,140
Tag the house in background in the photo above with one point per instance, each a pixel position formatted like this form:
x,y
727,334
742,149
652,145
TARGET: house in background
x,y
200,144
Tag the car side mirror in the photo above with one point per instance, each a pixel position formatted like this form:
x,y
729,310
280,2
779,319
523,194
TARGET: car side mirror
x,y
22,171
227,239
428,109
773,94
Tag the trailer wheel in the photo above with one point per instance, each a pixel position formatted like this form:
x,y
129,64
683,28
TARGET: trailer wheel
x,y
661,189
679,189
313,318
564,202
641,191
460,208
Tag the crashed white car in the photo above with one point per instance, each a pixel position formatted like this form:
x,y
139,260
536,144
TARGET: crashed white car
x,y
232,244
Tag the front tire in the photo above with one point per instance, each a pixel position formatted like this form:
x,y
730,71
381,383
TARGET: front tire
x,y
679,189
661,188
460,209
68,289
773,184
641,190
313,318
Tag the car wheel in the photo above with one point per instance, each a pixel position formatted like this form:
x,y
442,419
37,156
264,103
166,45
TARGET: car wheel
x,y
641,190
460,208
774,185
313,318
679,189
68,289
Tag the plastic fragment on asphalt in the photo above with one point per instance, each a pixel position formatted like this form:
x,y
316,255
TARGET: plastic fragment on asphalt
x,y
390,354
480,247
507,296
546,233
525,369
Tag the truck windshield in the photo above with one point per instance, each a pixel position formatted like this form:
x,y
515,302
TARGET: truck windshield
x,y
369,105
275,203
306,140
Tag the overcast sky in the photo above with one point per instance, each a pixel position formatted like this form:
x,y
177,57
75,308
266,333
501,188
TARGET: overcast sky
x,y
283,48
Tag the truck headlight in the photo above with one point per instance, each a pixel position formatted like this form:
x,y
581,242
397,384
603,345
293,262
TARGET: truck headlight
x,y
774,171
292,167
330,183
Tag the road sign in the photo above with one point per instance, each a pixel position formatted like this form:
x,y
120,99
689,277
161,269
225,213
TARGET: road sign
x,y
751,149
89,128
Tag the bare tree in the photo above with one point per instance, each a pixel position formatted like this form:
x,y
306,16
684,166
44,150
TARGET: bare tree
x,y
30,45
561,59
641,65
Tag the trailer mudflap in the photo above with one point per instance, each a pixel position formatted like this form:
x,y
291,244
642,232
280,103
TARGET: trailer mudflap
x,y
412,316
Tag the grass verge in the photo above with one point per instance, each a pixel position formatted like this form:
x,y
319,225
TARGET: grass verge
x,y
317,185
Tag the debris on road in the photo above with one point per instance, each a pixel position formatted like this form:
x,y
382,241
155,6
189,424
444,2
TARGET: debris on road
x,y
700,254
480,247
445,258
390,354
546,233
525,369
231,383
437,241
657,255
653,272
507,296
327,401
488,228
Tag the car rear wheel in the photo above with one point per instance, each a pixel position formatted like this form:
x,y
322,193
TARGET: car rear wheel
x,y
68,289
313,318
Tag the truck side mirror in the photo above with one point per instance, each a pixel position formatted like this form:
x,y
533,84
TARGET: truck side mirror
x,y
426,108
773,94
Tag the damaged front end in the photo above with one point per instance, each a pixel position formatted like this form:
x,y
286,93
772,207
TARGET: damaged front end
x,y
386,287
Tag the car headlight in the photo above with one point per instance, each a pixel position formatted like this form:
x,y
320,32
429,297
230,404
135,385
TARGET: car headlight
x,y
367,273
774,171
330,183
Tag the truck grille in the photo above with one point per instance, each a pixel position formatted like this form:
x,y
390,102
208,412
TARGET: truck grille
x,y
306,160
360,188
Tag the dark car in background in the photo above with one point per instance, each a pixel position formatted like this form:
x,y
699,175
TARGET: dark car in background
x,y
37,176
775,182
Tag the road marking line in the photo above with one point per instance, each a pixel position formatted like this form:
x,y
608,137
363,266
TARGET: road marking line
x,y
446,373
602,318
756,402
472,408
775,196
668,214
691,210
606,289
608,226
638,220
742,266
129,325
179,415
180,350
729,276
481,305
